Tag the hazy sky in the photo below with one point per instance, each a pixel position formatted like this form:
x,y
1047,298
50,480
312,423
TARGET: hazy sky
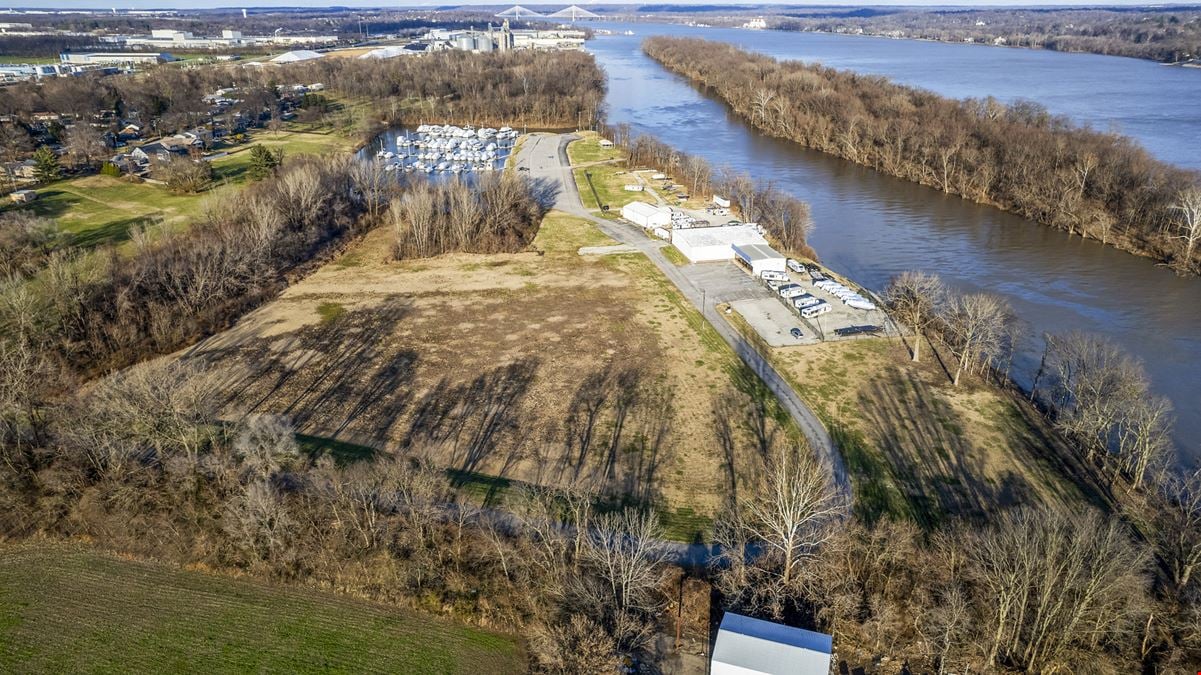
x,y
203,4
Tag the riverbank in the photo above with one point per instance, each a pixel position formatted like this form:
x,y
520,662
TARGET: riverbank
x,y
1098,186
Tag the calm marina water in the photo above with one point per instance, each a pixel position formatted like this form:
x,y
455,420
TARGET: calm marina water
x,y
871,227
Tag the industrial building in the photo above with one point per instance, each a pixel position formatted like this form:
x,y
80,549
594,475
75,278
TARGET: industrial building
x,y
503,39
115,58
230,39
760,258
745,645
712,244
646,216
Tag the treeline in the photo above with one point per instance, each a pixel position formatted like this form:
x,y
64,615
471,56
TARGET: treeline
x,y
1095,394
785,218
535,89
523,88
16,46
1017,157
1169,35
76,313
496,213
136,465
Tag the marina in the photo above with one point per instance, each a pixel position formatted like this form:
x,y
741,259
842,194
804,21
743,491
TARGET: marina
x,y
435,149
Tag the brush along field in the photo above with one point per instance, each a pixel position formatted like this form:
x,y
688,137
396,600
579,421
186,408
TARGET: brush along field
x,y
543,366
66,609
921,449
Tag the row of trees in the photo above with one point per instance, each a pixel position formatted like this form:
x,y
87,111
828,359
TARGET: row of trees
x,y
1097,395
785,218
1170,35
92,312
493,213
526,88
1017,157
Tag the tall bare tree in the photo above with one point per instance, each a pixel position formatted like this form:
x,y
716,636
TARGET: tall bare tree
x,y
914,299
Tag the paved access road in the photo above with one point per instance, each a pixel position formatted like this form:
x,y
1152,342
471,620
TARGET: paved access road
x,y
544,156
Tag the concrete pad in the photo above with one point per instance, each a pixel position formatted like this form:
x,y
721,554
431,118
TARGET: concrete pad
x,y
773,321
608,250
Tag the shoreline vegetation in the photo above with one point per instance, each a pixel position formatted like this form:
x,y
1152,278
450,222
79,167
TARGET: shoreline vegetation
x,y
1168,35
1016,157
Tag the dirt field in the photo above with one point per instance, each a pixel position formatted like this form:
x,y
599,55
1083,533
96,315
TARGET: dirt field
x,y
542,366
918,447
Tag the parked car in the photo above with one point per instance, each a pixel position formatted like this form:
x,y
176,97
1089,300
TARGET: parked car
x,y
796,333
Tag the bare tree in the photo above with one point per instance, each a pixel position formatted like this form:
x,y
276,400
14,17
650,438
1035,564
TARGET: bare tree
x,y
84,144
1177,527
1054,586
914,299
167,406
1188,204
265,444
1144,435
373,184
974,326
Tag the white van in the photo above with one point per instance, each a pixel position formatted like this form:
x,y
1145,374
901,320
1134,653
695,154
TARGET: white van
x,y
795,266
804,301
816,310
790,291
772,275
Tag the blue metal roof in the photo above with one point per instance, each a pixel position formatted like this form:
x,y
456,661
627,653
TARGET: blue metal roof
x,y
777,632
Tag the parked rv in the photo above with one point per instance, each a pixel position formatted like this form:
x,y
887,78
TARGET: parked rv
x,y
816,310
790,291
772,275
805,301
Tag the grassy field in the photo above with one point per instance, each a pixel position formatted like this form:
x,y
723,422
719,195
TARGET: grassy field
x,y
33,60
66,609
100,209
540,367
921,449
588,149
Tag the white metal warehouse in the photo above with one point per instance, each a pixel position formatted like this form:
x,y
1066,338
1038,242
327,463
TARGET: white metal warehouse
x,y
745,646
760,258
709,244
646,215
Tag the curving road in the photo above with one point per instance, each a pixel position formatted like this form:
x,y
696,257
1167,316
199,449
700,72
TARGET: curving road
x,y
544,156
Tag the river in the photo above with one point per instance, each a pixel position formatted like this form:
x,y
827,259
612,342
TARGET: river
x,y
870,226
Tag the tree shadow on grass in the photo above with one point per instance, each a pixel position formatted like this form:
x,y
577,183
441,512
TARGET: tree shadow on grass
x,y
923,442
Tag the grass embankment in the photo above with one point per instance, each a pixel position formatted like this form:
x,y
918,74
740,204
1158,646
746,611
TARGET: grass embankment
x,y
542,367
918,448
99,210
602,181
67,609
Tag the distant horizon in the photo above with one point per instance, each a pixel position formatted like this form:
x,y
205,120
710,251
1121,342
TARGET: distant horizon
x,y
185,5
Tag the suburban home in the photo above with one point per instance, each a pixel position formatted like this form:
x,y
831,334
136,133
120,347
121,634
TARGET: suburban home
x,y
131,132
745,645
23,170
126,162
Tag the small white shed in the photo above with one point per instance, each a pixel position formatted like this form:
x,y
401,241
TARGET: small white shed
x,y
646,215
606,143
747,646
721,201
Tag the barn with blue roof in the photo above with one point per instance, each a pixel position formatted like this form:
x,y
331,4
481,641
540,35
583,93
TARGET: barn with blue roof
x,y
746,646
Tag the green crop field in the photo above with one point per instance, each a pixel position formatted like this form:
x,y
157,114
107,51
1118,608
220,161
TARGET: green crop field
x,y
65,609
